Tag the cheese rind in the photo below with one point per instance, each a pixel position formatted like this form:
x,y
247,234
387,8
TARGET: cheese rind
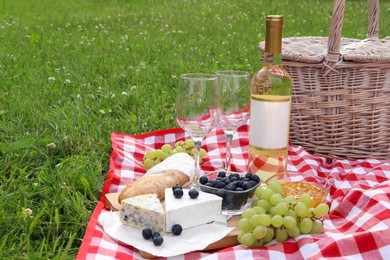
x,y
191,212
144,211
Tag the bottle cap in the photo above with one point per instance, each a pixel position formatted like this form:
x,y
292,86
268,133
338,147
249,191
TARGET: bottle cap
x,y
273,36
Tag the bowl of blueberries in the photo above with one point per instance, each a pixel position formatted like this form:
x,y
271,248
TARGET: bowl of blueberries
x,y
235,189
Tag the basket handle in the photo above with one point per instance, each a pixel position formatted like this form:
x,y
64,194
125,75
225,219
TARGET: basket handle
x,y
336,25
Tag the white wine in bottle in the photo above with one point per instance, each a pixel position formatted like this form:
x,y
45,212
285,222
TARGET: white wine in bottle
x,y
271,89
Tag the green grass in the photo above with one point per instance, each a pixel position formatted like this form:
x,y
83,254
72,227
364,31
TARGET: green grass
x,y
72,72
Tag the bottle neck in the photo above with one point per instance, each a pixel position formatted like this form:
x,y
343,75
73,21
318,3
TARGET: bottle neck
x,y
272,59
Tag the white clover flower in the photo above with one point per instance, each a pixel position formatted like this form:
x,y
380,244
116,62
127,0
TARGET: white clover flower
x,y
28,212
133,88
52,79
52,146
112,95
173,77
101,111
67,81
124,93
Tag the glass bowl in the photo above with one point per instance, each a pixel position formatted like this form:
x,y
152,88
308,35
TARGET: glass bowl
x,y
296,184
233,202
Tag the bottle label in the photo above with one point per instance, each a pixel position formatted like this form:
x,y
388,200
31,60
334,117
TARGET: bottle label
x,y
269,124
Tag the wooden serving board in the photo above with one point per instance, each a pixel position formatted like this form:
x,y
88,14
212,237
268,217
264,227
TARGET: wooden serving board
x,y
111,203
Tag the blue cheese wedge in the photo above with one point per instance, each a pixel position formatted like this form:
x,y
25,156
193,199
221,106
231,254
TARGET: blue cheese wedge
x,y
191,212
143,211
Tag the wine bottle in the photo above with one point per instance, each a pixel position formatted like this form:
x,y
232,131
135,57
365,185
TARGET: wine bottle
x,y
271,89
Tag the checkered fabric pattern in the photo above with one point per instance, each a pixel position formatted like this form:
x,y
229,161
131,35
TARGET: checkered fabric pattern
x,y
357,226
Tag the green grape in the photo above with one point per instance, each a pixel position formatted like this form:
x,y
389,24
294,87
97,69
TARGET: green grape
x,y
317,227
157,161
305,225
248,213
180,149
293,232
269,236
289,222
200,160
290,199
259,210
202,152
179,144
239,236
301,210
265,220
245,225
266,194
166,148
291,213
281,235
150,155
306,199
276,187
264,203
254,203
254,220
159,154
277,221
281,208
148,163
258,192
165,156
192,152
321,210
259,232
189,143
275,198
248,240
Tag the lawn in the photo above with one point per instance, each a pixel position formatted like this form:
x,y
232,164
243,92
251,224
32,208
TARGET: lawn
x,y
72,72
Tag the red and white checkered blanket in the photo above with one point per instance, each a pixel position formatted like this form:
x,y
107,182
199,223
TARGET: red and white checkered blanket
x,y
357,226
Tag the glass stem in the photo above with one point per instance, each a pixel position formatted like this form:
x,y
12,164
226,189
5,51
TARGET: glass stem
x,y
229,138
197,145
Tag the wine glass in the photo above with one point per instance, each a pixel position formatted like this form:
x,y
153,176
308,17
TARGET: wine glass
x,y
196,97
234,98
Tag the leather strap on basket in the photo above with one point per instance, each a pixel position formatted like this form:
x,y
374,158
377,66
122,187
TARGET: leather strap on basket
x,y
333,56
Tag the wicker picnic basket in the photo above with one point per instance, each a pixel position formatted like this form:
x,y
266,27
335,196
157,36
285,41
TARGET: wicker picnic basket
x,y
341,90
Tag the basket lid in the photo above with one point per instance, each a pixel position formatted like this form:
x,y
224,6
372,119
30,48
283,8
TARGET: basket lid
x,y
314,49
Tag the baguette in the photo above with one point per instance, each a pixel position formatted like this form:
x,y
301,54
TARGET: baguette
x,y
154,183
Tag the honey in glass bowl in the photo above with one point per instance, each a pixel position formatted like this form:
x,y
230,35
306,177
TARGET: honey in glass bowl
x,y
296,184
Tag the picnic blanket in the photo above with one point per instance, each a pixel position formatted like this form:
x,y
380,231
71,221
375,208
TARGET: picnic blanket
x,y
357,226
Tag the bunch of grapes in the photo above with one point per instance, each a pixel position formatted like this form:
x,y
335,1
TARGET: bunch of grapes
x,y
273,215
153,157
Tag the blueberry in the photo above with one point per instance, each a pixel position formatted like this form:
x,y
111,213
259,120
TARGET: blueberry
x,y
221,174
246,185
234,175
147,233
177,186
209,183
154,234
213,183
255,178
253,183
178,193
177,229
248,175
239,183
158,240
230,187
234,178
203,180
193,193
245,179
